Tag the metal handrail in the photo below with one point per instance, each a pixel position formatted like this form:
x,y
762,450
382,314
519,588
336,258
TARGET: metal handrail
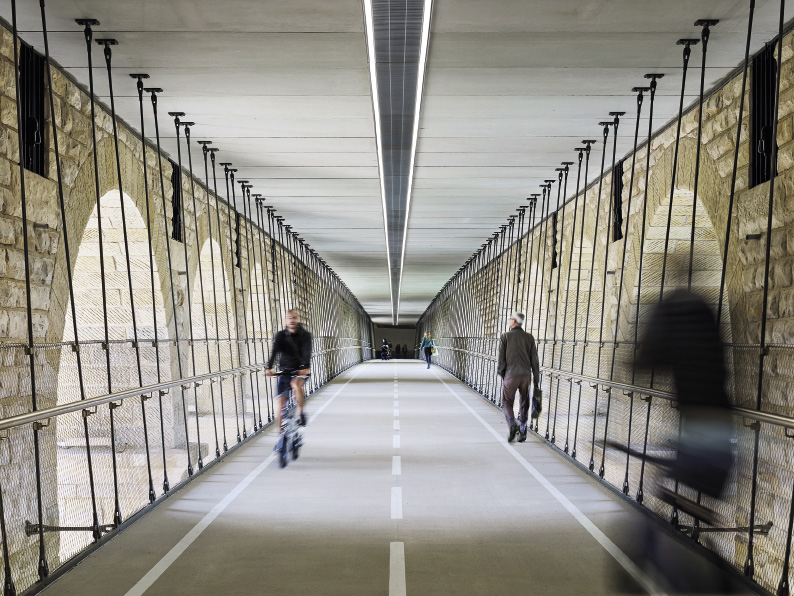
x,y
757,415
91,402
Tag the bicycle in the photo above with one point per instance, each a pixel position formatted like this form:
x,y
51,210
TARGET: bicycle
x,y
290,439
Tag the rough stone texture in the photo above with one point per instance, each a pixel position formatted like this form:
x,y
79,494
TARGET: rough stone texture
x,y
239,335
473,310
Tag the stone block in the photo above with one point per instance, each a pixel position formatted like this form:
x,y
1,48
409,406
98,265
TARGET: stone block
x,y
8,112
784,131
18,325
780,275
5,172
786,303
12,144
15,264
8,231
12,294
6,45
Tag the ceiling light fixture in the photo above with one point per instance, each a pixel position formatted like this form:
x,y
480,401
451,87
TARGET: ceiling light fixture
x,y
370,31
373,80
428,9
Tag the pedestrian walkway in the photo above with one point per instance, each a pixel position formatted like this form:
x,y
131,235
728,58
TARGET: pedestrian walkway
x,y
405,486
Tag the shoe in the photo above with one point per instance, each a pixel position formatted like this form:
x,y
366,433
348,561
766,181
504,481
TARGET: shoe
x,y
303,419
512,436
522,436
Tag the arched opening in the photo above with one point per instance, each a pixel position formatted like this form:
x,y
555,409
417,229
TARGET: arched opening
x,y
706,274
74,501
212,314
706,265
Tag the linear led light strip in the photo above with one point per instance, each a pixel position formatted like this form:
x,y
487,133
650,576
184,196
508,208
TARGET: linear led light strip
x,y
428,6
373,79
428,9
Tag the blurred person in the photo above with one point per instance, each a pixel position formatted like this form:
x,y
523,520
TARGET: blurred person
x,y
427,348
384,350
682,337
518,366
405,351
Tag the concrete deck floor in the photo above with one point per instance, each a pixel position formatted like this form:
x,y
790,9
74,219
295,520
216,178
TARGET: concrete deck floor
x,y
405,485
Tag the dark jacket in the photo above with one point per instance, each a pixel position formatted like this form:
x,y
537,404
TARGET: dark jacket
x,y
518,355
293,349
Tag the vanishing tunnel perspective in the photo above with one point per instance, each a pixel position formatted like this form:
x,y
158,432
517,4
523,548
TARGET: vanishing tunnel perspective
x,y
347,297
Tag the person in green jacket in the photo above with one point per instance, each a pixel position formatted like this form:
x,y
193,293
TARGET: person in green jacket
x,y
427,347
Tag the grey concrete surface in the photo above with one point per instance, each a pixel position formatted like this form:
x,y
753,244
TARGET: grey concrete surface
x,y
474,519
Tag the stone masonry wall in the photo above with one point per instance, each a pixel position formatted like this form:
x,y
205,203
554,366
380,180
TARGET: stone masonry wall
x,y
65,494
743,297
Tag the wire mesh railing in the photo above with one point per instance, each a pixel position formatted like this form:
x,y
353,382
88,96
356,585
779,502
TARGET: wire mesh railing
x,y
589,272
108,458
642,427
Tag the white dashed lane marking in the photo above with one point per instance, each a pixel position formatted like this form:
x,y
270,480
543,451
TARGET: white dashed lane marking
x,y
397,569
396,502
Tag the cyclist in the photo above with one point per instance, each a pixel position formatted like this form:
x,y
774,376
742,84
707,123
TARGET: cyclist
x,y
293,346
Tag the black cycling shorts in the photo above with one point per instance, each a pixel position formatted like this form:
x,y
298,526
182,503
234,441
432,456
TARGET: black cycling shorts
x,y
283,385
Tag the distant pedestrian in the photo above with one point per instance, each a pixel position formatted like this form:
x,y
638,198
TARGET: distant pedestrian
x,y
405,351
518,366
384,350
397,351
427,347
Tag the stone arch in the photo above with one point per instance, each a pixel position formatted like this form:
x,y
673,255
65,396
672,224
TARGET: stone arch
x,y
81,204
74,505
711,218
710,226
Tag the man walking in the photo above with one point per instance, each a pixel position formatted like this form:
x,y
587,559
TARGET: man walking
x,y
518,365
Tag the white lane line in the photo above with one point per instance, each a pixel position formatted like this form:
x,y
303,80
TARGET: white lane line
x,y
395,441
397,569
396,412
396,403
396,425
396,502
624,561
172,555
396,465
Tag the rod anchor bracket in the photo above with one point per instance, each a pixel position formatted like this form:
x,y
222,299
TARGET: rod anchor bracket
x,y
41,424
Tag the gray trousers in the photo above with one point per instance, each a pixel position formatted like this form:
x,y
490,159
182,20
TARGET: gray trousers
x,y
509,388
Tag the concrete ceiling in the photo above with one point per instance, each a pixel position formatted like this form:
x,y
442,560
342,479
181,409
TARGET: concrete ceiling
x,y
283,89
